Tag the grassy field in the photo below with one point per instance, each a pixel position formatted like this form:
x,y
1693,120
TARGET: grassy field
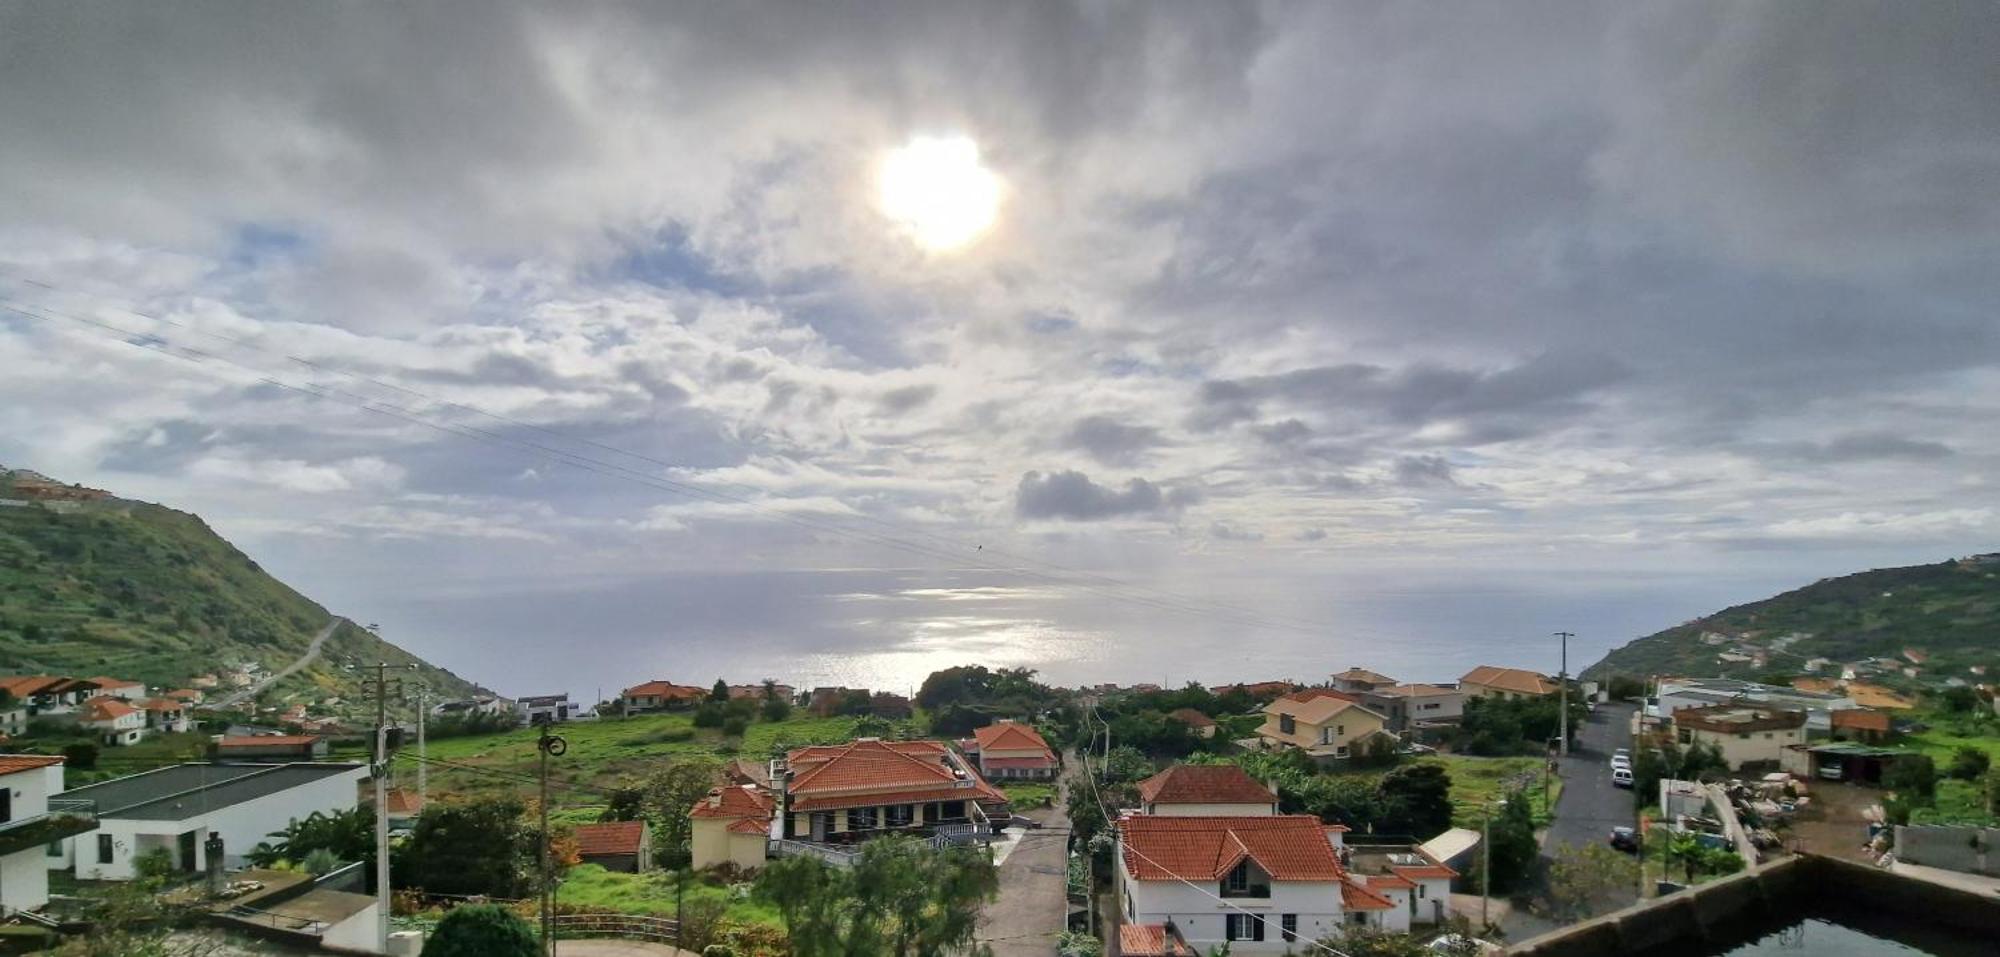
x,y
1027,795
1477,783
602,753
1956,800
589,885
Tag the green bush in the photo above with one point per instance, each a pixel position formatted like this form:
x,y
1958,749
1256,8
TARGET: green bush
x,y
734,726
1970,764
482,930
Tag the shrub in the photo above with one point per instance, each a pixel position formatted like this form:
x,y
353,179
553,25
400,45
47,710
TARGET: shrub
x,y
1970,764
482,930
1913,777
734,727
320,862
701,924
81,756
710,715
154,865
718,950
777,709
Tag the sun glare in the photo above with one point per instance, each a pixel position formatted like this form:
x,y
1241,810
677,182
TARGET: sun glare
x,y
935,189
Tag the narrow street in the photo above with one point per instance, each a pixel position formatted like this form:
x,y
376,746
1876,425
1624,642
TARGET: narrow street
x,y
1033,906
1590,806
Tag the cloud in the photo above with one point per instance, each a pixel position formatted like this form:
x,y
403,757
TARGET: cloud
x,y
1311,535
1112,442
1223,531
1072,495
1417,471
1859,447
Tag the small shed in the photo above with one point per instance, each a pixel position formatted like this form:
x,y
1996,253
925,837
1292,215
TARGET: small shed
x,y
624,846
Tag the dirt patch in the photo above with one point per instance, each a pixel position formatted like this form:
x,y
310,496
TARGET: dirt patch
x,y
1834,825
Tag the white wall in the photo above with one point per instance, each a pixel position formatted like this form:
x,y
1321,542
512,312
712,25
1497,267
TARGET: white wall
x,y
241,826
1210,810
24,882
1201,917
358,933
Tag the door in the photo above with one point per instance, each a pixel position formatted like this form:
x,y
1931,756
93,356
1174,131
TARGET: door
x,y
188,842
6,804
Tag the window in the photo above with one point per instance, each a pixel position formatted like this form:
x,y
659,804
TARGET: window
x,y
861,819
1428,706
1357,917
1288,926
901,814
1286,725
103,848
1243,927
55,849
1238,879
1340,730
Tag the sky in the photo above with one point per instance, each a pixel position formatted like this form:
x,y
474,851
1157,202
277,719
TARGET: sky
x,y
582,344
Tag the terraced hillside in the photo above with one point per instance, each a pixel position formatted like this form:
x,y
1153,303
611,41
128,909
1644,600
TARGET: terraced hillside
x,y
97,585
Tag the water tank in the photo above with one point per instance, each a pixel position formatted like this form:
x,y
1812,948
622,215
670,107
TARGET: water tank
x,y
406,943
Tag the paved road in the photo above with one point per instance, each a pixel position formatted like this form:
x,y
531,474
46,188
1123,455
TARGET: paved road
x,y
1590,807
312,651
1033,906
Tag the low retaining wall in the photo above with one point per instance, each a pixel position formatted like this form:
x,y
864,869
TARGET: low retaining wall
x,y
1734,907
1962,848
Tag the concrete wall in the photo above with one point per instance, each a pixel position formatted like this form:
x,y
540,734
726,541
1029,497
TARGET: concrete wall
x,y
1714,916
1749,747
1971,850
1210,810
24,881
357,933
712,843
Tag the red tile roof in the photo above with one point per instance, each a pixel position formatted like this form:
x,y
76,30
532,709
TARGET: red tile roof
x,y
1312,694
106,709
869,763
748,826
1191,718
1391,879
665,689
10,763
1290,847
1151,940
23,686
1204,784
161,704
267,740
609,837
741,801
1009,736
1364,675
1418,872
1356,897
1517,680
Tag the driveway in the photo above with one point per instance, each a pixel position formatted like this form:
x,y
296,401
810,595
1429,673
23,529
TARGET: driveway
x,y
1589,806
1033,906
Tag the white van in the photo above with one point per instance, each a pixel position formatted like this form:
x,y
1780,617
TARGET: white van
x,y
1621,777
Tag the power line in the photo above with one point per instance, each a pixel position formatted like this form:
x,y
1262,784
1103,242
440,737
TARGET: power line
x,y
1133,595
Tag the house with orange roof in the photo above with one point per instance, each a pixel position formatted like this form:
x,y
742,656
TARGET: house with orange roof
x,y
118,687
31,822
1419,884
1490,681
1206,790
659,696
1361,679
189,695
1153,940
1879,697
1321,722
623,846
48,694
1282,874
1202,725
730,826
1416,706
1009,749
849,792
165,715
116,722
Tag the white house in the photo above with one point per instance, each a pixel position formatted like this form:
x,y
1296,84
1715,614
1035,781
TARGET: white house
x,y
116,721
164,715
1681,694
545,709
175,809
1260,885
28,822
124,688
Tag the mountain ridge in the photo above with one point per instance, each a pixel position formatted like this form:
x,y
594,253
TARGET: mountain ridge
x,y
1941,619
94,584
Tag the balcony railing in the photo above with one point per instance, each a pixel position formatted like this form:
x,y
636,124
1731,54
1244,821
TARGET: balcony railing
x,y
66,817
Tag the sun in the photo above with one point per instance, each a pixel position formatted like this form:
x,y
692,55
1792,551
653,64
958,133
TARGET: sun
x,y
936,191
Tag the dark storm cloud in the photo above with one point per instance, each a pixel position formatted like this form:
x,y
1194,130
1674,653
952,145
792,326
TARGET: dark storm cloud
x,y
1072,495
1549,387
1112,442
1424,470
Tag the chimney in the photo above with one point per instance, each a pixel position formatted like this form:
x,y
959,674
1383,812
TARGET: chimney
x,y
212,848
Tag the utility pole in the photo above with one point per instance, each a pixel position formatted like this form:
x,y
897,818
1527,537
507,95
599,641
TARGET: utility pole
x,y
1562,680
423,753
381,686
547,745
1485,863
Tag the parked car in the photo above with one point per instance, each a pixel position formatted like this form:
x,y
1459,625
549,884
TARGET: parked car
x,y
1622,754
1625,839
1621,761
1621,777
1832,772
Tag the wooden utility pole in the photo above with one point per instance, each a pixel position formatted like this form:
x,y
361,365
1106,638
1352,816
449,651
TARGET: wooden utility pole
x,y
1562,680
547,745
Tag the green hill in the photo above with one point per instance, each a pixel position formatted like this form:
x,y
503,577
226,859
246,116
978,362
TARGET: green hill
x,y
1950,612
91,584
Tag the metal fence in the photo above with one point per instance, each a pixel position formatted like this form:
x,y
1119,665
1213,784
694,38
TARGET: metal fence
x,y
664,930
838,857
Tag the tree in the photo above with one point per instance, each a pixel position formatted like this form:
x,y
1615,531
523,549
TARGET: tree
x,y
1512,847
1958,700
479,848
1128,764
1970,764
1350,799
1588,880
1415,800
482,930
775,709
1913,777
667,796
719,693
901,898
81,756
348,835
